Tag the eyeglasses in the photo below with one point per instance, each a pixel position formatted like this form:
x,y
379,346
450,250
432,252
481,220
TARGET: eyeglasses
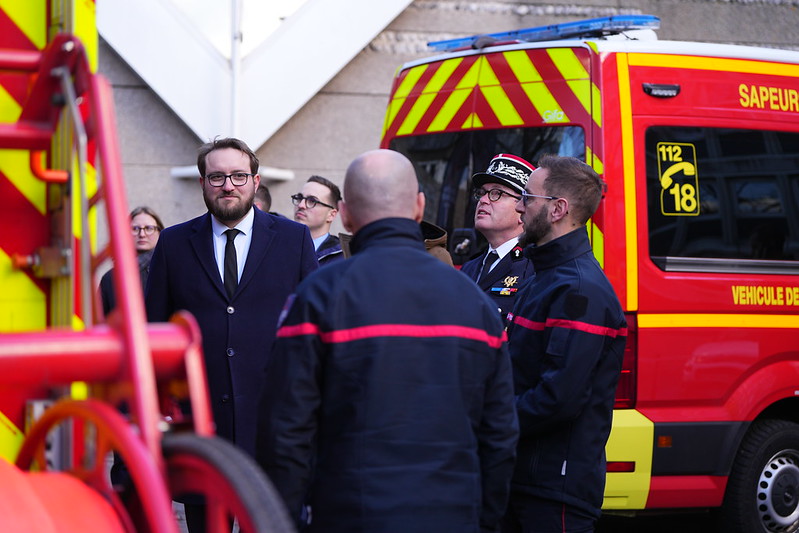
x,y
494,194
237,178
310,201
526,196
148,230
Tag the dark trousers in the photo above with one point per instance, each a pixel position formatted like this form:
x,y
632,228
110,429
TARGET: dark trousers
x,y
528,514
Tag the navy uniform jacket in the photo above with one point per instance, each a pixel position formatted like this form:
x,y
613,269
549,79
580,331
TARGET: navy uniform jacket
x,y
329,251
389,404
503,282
237,333
566,339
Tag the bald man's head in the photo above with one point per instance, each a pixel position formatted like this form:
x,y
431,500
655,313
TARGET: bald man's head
x,y
380,184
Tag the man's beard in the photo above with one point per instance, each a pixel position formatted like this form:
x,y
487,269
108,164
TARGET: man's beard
x,y
536,229
232,213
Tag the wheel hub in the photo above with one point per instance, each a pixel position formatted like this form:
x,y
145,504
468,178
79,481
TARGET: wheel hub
x,y
778,493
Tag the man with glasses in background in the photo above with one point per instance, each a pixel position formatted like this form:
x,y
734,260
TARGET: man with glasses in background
x,y
316,206
233,268
502,268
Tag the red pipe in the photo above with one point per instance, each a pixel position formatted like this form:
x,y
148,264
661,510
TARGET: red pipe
x,y
127,283
20,60
59,357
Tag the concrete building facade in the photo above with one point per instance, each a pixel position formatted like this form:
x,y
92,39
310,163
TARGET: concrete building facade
x,y
345,117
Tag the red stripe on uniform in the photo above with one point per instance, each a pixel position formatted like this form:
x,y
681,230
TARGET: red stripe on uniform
x,y
393,330
529,324
570,324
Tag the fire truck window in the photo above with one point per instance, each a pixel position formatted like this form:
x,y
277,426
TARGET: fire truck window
x,y
445,163
722,194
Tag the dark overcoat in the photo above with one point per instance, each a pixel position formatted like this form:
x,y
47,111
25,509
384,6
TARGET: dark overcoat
x,y
237,332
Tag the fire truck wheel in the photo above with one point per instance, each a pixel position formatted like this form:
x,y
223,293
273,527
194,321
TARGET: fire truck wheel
x,y
229,481
763,487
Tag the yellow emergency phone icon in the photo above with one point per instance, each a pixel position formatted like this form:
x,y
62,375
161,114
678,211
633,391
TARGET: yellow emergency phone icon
x,y
679,180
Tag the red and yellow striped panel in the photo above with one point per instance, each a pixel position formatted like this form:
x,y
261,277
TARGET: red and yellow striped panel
x,y
29,303
495,90
23,298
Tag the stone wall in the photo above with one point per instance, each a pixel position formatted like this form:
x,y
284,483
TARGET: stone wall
x,y
345,118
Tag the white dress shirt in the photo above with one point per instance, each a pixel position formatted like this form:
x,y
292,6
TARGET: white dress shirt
x,y
242,242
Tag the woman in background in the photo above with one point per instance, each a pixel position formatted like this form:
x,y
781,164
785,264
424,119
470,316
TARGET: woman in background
x,y
145,226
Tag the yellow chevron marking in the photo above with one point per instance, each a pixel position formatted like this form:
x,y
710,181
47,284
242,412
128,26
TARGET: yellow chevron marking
x,y
451,106
502,106
568,64
597,243
15,165
470,79
402,92
486,73
732,321
595,234
421,105
23,306
714,63
9,108
522,66
630,208
596,108
11,438
594,161
410,81
86,29
441,76
31,19
393,108
544,102
454,101
577,79
91,189
496,96
473,121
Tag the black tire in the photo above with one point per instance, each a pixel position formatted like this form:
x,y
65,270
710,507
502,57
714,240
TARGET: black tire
x,y
763,488
215,469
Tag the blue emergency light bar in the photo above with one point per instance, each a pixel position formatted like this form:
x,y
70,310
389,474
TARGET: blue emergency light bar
x,y
584,28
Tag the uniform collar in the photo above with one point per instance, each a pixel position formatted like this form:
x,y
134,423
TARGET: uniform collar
x,y
560,250
388,231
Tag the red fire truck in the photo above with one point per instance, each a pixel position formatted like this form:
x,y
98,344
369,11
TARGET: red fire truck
x,y
698,232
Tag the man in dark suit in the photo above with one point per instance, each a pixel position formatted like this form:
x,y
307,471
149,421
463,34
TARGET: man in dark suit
x,y
233,269
501,269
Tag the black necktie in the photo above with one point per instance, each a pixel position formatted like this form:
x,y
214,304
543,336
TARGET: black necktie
x,y
490,258
231,265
